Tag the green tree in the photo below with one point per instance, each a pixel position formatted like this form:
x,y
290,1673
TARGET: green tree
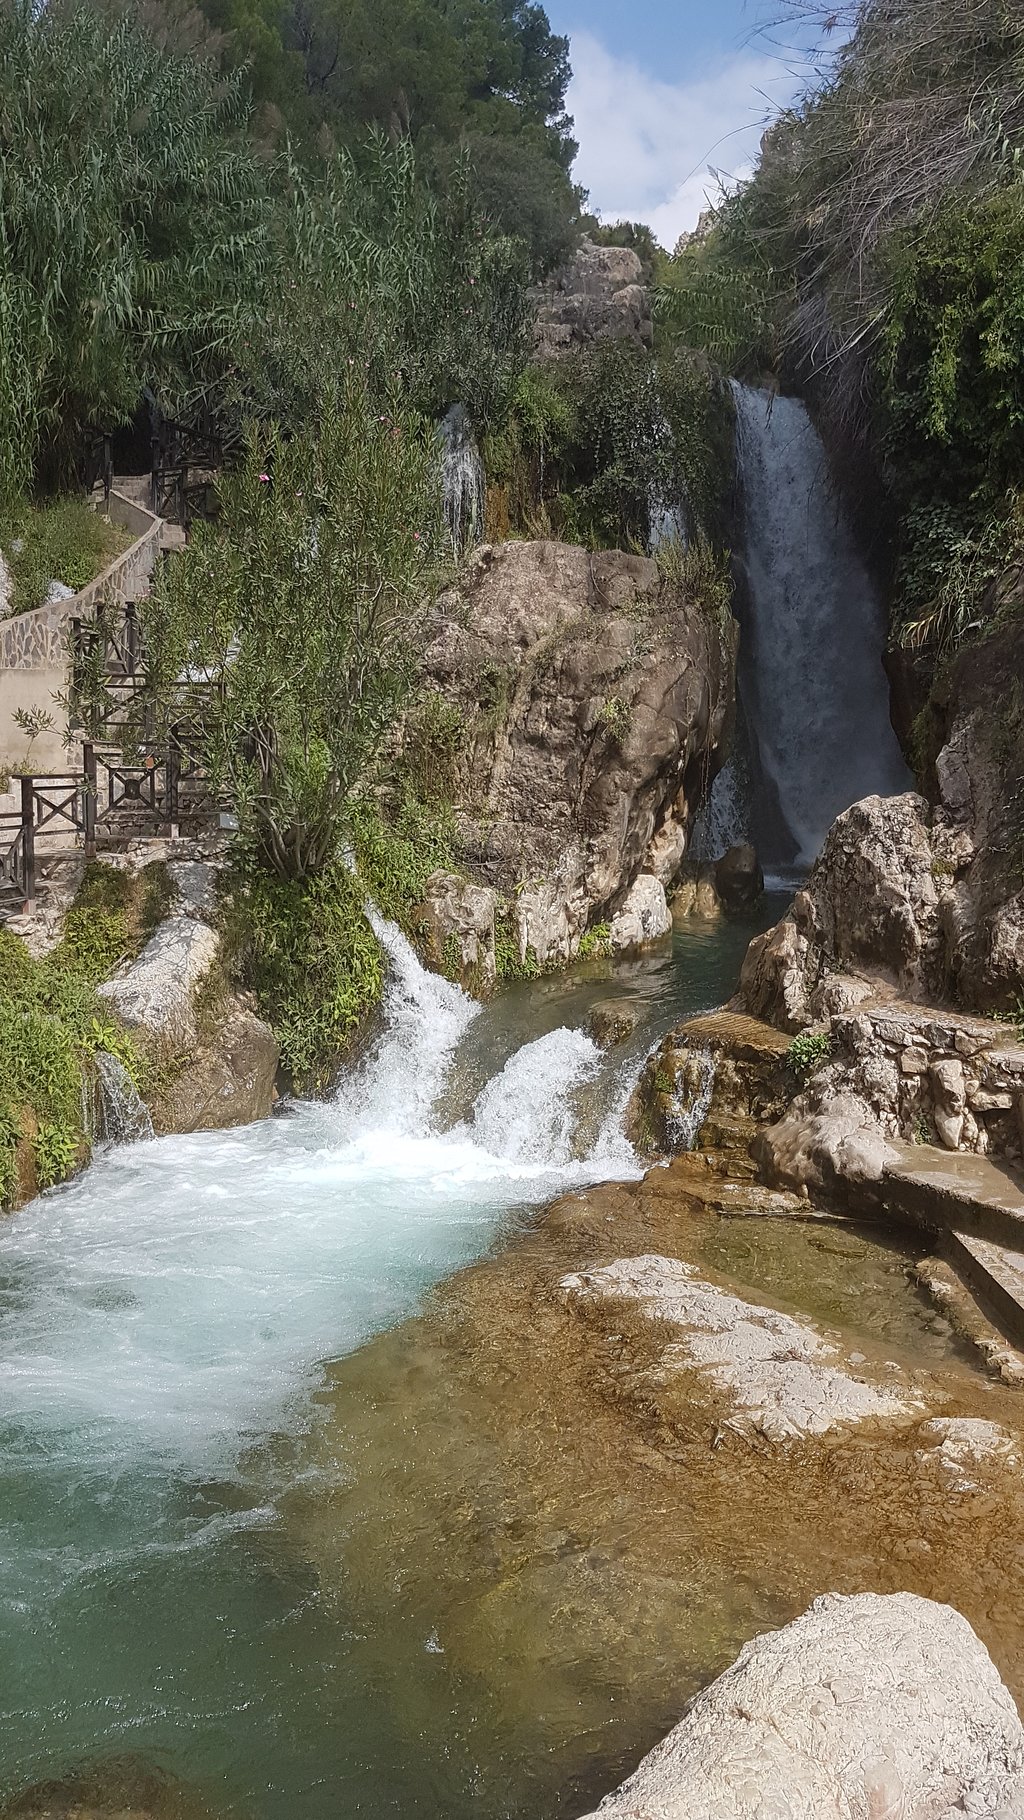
x,y
284,635
132,227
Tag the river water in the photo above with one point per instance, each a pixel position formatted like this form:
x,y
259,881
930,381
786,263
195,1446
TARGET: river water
x,y
164,1327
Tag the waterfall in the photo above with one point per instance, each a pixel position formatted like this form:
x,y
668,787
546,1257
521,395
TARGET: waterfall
x,y
529,1112
424,1017
692,1101
724,821
463,483
124,1114
811,678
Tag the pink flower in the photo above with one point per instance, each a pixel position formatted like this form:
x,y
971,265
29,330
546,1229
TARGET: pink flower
x,y
265,478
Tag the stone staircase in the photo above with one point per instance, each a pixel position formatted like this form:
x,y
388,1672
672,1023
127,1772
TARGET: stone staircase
x,y
976,1208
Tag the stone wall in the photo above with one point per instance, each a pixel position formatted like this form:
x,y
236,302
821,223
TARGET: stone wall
x,y
34,647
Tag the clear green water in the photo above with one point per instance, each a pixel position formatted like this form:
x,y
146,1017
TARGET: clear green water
x,y
164,1324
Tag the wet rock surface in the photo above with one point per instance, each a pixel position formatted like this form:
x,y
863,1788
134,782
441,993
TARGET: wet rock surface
x,y
593,697
126,1789
228,1078
780,1377
750,1084
864,1706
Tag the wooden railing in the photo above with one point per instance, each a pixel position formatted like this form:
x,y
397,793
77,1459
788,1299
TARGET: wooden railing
x,y
164,786
107,800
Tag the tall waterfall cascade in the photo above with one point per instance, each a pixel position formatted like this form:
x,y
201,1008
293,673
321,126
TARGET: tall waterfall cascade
x,y
463,483
811,678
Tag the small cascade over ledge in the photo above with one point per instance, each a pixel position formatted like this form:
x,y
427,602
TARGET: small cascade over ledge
x,y
124,1114
814,691
463,483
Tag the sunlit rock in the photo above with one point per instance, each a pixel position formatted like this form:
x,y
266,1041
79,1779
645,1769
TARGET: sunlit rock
x,y
870,1706
780,1378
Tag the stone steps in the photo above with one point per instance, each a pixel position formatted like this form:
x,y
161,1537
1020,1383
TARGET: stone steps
x,y
977,1208
995,1274
955,1191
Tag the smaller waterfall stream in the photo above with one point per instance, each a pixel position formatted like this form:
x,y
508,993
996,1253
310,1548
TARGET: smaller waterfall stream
x,y
463,483
125,1115
811,676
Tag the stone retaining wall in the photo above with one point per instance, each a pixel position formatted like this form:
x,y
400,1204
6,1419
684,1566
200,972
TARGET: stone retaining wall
x,y
34,655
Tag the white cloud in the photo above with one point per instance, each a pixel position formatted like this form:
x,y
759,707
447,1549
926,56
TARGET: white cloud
x,y
648,149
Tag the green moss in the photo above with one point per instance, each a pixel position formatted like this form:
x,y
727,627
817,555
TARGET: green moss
x,y
595,941
51,1024
112,917
508,965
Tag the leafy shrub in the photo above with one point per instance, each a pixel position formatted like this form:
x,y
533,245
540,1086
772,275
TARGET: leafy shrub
x,y
301,606
307,951
808,1052
64,540
51,1025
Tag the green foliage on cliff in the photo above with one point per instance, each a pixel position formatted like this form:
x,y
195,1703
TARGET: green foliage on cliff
x,y
307,951
372,270
876,260
52,1024
599,446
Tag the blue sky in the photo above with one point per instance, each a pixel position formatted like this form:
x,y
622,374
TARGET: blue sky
x,y
665,93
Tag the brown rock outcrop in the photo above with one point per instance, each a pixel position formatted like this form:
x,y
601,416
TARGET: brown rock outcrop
x,y
228,1079
728,1071
594,697
599,295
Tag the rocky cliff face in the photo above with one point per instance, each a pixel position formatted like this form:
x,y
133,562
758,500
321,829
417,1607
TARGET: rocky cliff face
x,y
594,697
598,296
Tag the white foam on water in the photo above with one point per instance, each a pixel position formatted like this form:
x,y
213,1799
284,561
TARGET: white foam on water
x,y
173,1301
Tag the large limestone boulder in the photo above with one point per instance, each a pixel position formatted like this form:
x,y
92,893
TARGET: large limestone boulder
x,y
594,697
458,926
644,917
228,1078
871,904
865,1708
599,295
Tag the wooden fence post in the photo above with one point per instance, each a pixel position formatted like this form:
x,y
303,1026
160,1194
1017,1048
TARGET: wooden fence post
x,y
28,841
172,776
89,799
